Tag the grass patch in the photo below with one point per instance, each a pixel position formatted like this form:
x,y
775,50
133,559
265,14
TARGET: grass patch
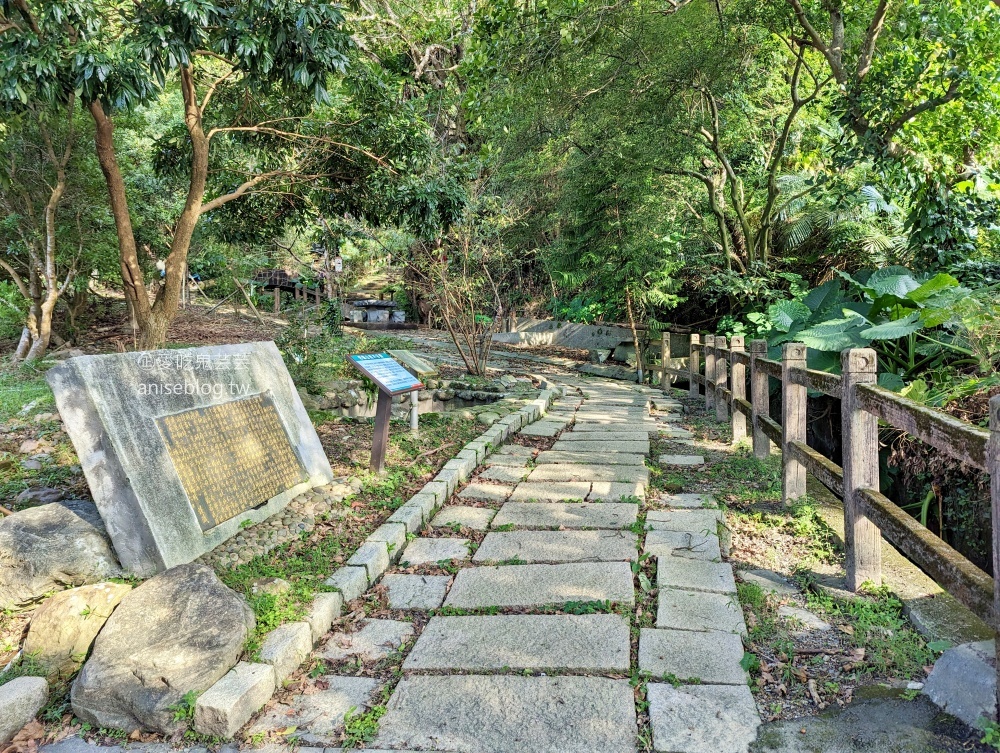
x,y
20,386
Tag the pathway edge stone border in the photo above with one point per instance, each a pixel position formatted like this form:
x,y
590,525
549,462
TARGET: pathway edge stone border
x,y
243,699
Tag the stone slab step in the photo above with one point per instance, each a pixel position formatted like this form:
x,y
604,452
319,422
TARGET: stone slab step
x,y
489,492
615,491
663,544
687,501
681,461
699,521
589,473
541,585
605,436
550,643
694,575
613,515
555,491
702,718
507,714
696,610
549,457
558,546
639,448
708,658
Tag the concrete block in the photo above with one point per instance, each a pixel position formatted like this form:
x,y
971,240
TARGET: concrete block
x,y
286,647
229,704
373,556
350,581
326,607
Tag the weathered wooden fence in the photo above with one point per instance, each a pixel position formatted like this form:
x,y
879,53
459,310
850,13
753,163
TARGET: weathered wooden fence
x,y
723,372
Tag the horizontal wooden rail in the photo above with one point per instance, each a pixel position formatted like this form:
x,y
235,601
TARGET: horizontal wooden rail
x,y
769,367
941,430
771,428
829,473
951,570
822,381
740,356
743,406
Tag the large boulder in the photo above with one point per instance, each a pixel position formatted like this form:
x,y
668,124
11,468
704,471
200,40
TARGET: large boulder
x,y
20,700
64,627
178,632
50,547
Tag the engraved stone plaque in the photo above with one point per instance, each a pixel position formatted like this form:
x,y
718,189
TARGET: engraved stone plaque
x,y
231,457
183,447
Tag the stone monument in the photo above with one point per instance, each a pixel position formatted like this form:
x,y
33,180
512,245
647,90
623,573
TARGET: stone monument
x,y
181,448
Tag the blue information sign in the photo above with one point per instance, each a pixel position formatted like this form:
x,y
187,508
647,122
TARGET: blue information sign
x,y
387,374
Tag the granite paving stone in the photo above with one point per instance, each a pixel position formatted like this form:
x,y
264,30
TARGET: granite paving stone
x,y
695,575
615,491
663,544
709,659
416,591
504,473
476,518
550,490
575,643
538,585
641,448
557,546
375,640
769,581
614,515
488,492
592,472
421,551
509,714
543,429
319,716
702,718
699,521
681,460
561,457
605,436
697,610
686,501
515,449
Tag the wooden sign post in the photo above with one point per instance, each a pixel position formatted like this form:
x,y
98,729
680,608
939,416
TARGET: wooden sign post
x,y
391,380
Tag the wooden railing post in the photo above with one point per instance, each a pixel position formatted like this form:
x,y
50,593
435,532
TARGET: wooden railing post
x,y
760,396
709,372
694,365
738,379
993,464
862,538
721,406
664,361
793,422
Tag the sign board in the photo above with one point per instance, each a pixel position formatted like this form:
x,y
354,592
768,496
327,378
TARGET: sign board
x,y
387,374
391,380
182,447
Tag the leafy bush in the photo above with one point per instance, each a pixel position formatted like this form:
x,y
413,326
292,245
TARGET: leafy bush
x,y
581,310
13,309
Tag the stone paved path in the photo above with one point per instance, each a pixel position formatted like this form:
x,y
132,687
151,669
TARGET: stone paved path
x,y
512,661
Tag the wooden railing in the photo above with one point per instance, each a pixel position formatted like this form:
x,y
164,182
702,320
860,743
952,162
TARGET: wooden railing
x,y
720,371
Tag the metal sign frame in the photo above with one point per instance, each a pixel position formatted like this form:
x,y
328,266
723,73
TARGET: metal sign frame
x,y
383,410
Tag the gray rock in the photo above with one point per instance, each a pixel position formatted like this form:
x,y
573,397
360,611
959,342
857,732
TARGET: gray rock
x,y
575,643
475,518
63,628
375,640
614,515
558,546
178,632
421,551
319,717
48,548
38,496
964,682
702,718
226,706
286,647
273,586
20,700
695,610
539,585
803,620
416,591
768,581
504,714
709,658
696,575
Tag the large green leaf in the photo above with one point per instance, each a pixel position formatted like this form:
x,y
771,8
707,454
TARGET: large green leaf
x,y
823,297
784,314
932,287
897,281
895,329
835,335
